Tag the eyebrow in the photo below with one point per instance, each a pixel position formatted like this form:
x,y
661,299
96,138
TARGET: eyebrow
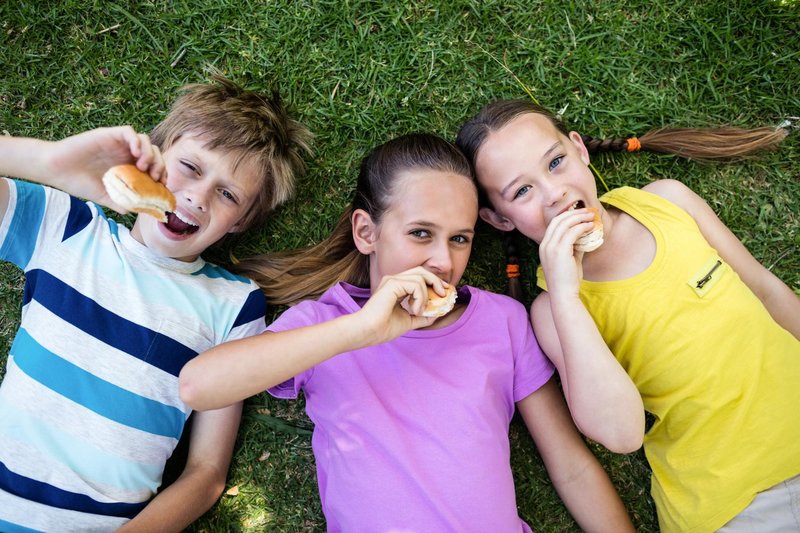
x,y
425,224
550,150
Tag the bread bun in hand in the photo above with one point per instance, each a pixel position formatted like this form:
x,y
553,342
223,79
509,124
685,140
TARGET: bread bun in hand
x,y
594,238
136,191
440,305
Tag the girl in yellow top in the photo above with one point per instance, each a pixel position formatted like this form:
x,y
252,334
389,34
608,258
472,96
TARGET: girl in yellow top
x,y
671,315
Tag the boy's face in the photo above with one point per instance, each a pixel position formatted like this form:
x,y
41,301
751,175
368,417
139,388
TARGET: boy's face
x,y
531,173
430,223
211,200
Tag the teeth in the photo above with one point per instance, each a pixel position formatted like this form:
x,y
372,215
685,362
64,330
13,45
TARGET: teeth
x,y
177,214
574,206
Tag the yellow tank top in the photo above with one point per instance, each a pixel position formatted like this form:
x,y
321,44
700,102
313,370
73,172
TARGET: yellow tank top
x,y
721,377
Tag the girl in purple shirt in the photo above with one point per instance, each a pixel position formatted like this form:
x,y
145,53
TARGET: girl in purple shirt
x,y
411,413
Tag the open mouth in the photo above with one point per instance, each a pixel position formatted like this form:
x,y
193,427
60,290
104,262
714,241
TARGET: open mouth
x,y
177,225
577,205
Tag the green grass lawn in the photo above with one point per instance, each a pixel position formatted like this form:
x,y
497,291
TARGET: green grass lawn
x,y
359,73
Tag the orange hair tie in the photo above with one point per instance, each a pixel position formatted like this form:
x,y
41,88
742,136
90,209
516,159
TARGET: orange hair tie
x,y
634,145
512,271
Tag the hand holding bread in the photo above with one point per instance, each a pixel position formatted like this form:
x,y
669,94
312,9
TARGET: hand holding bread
x,y
136,191
591,240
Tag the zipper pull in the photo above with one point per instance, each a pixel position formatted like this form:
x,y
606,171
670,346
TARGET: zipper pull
x,y
705,279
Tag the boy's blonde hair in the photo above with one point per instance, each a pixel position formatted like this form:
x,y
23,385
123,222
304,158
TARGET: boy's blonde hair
x,y
256,128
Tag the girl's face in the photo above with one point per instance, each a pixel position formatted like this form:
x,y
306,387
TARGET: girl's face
x,y
430,222
531,173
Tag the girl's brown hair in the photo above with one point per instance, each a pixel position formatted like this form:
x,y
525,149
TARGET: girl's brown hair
x,y
703,144
289,277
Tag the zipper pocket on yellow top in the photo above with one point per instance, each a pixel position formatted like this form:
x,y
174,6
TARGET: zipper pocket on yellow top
x,y
707,276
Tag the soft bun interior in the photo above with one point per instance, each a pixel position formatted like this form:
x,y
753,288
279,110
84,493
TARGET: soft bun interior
x,y
440,305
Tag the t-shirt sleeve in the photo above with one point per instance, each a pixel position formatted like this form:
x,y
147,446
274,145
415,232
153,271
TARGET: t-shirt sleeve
x,y
37,215
299,316
532,368
19,229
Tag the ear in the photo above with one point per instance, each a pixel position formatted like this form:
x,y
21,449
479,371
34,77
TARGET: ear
x,y
577,140
493,218
365,231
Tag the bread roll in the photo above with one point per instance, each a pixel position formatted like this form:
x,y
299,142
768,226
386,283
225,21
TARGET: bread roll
x,y
136,191
440,305
594,238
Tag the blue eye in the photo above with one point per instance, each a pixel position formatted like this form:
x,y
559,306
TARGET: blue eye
x,y
460,239
421,233
555,162
522,191
227,195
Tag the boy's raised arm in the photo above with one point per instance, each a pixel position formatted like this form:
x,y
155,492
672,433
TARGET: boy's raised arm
x,y
76,164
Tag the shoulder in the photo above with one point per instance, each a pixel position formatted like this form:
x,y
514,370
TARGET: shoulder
x,y
500,302
677,193
310,312
541,316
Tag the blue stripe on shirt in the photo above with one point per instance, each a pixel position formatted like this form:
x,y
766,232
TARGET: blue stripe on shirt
x,y
80,215
53,496
87,315
8,527
254,307
85,459
213,271
20,240
98,395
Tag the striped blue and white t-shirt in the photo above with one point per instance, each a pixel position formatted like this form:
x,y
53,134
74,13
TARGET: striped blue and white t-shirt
x,y
89,406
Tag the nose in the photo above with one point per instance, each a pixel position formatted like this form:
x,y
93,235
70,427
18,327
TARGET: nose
x,y
440,261
553,191
197,197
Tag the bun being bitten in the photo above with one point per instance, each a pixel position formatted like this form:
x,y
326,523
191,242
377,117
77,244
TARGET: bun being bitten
x,y
594,238
136,191
440,305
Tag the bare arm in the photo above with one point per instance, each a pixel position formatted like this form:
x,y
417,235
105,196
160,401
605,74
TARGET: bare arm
x,y
76,164
202,481
604,402
575,472
239,369
783,305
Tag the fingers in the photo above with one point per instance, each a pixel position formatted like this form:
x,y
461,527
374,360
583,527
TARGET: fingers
x,y
147,155
410,288
566,228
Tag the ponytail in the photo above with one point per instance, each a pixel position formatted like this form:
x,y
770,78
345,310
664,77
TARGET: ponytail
x,y
287,278
702,144
514,288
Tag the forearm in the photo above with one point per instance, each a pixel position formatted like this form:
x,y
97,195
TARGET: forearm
x,y
575,472
592,499
236,370
181,503
22,157
604,402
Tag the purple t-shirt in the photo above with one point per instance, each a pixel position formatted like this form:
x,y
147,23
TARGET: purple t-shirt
x,y
412,435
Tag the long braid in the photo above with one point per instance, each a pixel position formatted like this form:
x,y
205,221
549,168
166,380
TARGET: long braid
x,y
701,144
514,289
612,144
